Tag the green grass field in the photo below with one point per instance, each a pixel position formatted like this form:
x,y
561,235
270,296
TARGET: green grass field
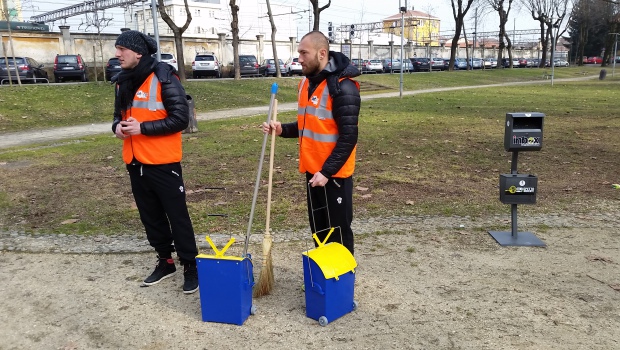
x,y
429,154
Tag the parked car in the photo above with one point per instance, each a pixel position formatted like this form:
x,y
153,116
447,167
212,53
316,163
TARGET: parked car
x,y
475,63
420,64
437,63
560,62
293,67
372,66
69,67
206,64
357,62
168,58
460,63
524,63
268,67
248,66
535,62
390,65
486,63
406,65
112,68
595,60
27,68
506,62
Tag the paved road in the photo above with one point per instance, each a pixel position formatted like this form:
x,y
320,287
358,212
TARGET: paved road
x,y
46,135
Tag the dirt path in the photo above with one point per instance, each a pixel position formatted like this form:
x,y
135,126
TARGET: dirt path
x,y
417,289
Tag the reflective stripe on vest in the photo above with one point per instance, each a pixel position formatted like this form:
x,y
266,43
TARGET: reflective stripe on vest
x,y
161,149
318,131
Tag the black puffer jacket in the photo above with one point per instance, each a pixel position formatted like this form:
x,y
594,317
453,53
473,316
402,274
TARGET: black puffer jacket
x,y
345,108
175,101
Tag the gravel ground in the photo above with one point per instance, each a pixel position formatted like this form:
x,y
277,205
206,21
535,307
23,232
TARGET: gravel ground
x,y
421,283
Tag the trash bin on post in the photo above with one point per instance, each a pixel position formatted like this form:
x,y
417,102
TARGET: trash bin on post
x,y
523,132
193,123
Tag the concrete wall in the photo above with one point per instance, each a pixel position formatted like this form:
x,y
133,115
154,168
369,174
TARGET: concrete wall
x,y
43,47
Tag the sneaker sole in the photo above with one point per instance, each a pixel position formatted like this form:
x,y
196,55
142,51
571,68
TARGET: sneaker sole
x,y
190,291
147,284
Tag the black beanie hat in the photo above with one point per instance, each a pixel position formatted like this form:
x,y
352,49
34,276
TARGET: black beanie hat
x,y
138,42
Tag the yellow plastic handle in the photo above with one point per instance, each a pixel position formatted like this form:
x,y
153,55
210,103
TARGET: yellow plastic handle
x,y
316,238
220,253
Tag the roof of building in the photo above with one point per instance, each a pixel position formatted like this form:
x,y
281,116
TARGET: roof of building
x,y
411,14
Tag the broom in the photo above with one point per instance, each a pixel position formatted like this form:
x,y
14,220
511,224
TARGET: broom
x,y
265,279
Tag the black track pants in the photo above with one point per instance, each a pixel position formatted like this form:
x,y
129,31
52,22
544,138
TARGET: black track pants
x,y
340,204
159,193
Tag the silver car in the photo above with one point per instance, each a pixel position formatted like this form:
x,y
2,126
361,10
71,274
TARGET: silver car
x,y
268,67
206,64
372,66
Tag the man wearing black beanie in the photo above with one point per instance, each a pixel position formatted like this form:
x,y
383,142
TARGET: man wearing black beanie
x,y
150,111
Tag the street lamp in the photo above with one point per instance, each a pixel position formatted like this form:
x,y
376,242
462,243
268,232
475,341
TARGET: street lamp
x,y
553,38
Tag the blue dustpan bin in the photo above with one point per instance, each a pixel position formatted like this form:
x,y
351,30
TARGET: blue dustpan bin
x,y
329,281
225,288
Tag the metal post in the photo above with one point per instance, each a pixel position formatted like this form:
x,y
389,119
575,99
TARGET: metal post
x,y
613,70
155,27
552,56
402,38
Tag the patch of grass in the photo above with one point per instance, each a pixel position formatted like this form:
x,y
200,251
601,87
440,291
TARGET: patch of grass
x,y
437,154
79,104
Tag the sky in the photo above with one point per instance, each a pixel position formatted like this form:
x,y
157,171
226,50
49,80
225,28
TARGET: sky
x,y
341,12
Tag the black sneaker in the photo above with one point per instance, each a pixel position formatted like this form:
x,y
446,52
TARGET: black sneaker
x,y
165,268
190,272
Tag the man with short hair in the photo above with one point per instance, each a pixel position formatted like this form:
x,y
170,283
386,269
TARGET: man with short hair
x,y
326,125
150,111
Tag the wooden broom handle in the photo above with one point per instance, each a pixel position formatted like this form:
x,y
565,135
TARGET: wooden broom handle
x,y
271,156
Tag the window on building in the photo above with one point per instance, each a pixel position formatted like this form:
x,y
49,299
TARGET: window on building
x,y
197,12
211,13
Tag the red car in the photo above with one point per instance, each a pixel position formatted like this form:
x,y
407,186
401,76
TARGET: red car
x,y
595,60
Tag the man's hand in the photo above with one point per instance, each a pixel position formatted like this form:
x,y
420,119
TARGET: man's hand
x,y
130,126
119,133
268,128
318,180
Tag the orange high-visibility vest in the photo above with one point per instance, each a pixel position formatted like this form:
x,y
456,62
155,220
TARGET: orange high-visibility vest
x,y
147,106
318,131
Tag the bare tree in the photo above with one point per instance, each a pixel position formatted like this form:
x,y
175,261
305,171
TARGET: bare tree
x,y
276,61
99,22
550,14
503,10
234,25
459,10
316,11
177,32
6,13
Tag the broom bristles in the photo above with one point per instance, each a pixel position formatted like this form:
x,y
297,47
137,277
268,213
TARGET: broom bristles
x,y
265,279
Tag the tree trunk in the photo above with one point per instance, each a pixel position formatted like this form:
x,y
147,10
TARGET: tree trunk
x,y
276,61
316,11
234,26
544,40
178,34
19,80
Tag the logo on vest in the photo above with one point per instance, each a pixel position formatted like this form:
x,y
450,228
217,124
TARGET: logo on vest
x,y
314,100
141,94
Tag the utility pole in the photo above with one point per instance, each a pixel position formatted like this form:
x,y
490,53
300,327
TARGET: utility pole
x,y
402,9
613,57
473,51
155,26
309,17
